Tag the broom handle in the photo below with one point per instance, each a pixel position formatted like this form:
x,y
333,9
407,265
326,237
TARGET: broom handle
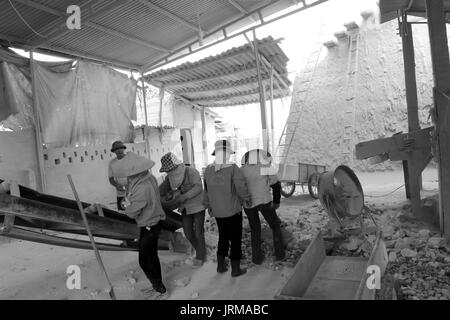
x,y
88,229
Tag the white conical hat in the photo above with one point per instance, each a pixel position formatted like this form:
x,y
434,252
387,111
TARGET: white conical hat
x,y
133,164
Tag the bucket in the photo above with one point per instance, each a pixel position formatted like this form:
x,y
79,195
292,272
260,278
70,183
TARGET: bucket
x,y
340,193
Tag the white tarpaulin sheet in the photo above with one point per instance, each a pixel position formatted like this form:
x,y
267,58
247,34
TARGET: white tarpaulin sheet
x,y
16,110
89,105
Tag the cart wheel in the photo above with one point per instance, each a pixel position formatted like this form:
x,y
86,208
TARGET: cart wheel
x,y
287,188
313,182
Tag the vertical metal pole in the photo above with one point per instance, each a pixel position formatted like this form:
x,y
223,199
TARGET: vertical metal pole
x,y
272,125
412,177
204,141
262,99
441,76
37,129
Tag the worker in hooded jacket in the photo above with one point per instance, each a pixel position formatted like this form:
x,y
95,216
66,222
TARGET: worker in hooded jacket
x,y
143,204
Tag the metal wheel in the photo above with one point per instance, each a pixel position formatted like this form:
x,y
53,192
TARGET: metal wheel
x,y
313,182
287,188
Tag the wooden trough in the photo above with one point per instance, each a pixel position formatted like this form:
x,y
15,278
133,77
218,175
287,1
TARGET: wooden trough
x,y
317,276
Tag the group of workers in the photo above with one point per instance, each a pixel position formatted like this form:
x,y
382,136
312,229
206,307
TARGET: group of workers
x,y
225,191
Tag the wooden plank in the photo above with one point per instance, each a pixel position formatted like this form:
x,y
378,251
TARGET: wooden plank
x,y
441,75
304,271
379,258
412,177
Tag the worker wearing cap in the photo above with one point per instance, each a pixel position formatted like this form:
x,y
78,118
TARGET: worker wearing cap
x,y
225,192
260,178
143,204
113,168
182,187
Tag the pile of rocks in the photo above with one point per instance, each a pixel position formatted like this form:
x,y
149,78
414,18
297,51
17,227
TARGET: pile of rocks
x,y
419,261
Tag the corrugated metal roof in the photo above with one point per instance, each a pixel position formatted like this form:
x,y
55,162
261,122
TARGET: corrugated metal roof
x,y
168,26
229,78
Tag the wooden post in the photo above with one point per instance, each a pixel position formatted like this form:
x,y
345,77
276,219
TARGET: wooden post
x,y
272,126
262,99
204,141
441,75
42,186
412,174
144,99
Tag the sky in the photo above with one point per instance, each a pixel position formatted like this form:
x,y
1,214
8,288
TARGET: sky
x,y
299,31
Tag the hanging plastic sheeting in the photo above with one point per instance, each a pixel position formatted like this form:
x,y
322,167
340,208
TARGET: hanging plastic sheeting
x,y
89,105
16,106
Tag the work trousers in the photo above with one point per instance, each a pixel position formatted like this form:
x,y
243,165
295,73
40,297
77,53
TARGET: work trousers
x,y
255,228
230,232
193,226
148,253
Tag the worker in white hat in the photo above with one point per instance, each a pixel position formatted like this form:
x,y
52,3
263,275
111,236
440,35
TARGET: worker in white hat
x,y
225,193
143,204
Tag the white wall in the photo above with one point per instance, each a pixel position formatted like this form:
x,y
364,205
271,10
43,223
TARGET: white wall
x,y
380,96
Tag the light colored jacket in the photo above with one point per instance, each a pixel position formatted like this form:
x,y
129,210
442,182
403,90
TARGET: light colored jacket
x,y
258,182
145,204
191,187
225,190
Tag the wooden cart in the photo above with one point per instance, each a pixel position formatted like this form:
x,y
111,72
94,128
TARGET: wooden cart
x,y
291,175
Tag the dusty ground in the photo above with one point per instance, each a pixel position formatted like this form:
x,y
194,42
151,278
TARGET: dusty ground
x,y
37,271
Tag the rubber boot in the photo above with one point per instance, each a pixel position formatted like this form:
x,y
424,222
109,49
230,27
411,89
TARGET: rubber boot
x,y
221,265
236,270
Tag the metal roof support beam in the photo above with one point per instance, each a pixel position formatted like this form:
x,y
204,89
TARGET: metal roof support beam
x,y
153,65
62,29
240,8
441,76
126,37
169,14
86,56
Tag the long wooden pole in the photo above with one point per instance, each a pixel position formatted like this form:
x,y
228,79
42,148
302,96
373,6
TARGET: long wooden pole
x,y
413,178
441,76
88,229
262,99
272,125
144,99
204,140
37,129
